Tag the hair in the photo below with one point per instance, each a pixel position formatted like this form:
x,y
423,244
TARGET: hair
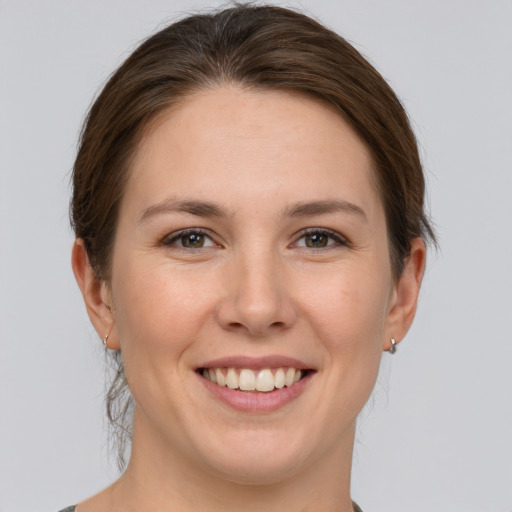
x,y
255,47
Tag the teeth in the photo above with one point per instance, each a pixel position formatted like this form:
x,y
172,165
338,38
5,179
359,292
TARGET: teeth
x,y
279,378
290,376
248,380
265,381
221,380
232,379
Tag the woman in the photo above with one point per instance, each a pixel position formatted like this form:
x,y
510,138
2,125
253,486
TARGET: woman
x,y
250,237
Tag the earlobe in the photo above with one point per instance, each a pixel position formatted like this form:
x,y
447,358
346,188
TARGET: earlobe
x,y
96,294
405,294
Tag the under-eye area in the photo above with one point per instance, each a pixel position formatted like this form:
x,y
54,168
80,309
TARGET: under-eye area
x,y
264,380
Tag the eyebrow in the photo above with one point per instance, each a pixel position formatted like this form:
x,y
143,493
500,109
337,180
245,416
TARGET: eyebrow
x,y
210,209
306,209
172,205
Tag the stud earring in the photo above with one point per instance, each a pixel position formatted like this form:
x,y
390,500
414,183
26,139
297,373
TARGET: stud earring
x,y
392,349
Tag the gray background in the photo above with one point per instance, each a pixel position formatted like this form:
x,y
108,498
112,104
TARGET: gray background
x,y
437,433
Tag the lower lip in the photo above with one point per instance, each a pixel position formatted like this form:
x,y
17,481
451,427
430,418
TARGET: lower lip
x,y
257,402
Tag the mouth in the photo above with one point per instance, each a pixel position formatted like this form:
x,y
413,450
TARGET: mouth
x,y
262,380
256,385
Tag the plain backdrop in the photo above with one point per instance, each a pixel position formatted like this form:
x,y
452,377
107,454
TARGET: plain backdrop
x,y
436,435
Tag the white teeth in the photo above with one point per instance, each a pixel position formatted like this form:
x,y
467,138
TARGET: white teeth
x,y
290,376
232,379
265,381
221,379
279,378
248,380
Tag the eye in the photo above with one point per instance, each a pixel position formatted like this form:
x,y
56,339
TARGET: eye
x,y
320,239
189,239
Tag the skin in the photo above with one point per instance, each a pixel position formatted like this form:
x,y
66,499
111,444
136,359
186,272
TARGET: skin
x,y
254,289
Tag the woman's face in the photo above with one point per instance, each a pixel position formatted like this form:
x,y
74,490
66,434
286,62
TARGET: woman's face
x,y
252,237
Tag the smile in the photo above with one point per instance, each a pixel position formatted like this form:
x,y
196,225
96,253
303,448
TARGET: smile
x,y
264,380
258,385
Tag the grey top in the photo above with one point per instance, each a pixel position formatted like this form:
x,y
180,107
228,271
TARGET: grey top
x,y
72,509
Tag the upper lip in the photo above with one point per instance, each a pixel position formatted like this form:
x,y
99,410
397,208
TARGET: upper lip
x,y
256,363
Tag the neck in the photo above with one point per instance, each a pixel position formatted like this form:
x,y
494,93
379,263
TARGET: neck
x,y
160,478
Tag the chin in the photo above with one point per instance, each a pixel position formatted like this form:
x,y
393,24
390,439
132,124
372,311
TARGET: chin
x,y
256,470
258,459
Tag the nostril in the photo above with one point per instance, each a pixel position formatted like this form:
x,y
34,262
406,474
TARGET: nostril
x,y
257,330
257,316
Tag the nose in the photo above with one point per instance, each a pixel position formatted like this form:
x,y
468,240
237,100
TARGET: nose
x,y
256,300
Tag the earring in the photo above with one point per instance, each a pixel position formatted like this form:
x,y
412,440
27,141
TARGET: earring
x,y
392,349
105,339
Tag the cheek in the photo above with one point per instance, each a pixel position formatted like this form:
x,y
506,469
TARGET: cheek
x,y
150,316
160,313
157,321
349,318
350,308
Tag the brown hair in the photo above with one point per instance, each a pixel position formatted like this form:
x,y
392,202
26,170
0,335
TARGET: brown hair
x,y
259,47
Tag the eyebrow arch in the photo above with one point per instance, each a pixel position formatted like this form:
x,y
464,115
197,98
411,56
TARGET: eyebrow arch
x,y
172,205
210,209
305,209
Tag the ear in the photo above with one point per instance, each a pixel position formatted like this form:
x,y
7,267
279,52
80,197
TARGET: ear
x,y
404,299
96,294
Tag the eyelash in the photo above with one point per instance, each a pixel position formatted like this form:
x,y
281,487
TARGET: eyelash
x,y
173,237
338,239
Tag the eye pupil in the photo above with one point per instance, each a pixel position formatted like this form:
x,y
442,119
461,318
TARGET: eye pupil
x,y
192,240
316,240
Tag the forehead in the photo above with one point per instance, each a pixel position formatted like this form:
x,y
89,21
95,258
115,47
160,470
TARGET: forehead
x,y
238,144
